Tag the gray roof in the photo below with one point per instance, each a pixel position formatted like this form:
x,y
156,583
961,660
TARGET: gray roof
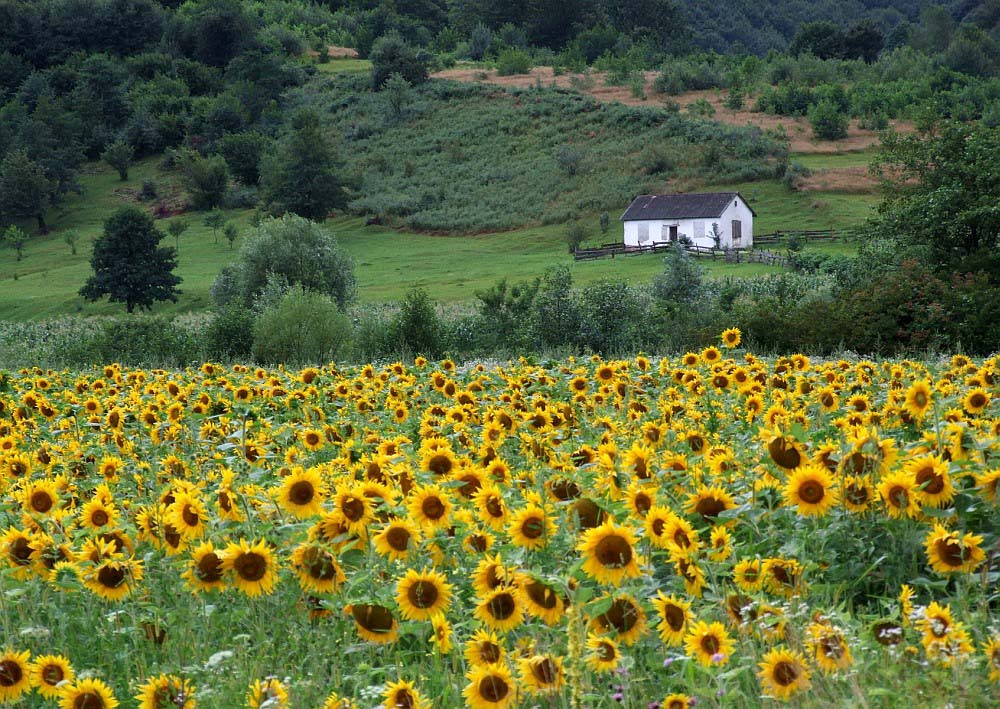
x,y
680,206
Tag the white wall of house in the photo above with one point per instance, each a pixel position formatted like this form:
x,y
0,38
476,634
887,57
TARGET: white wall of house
x,y
657,231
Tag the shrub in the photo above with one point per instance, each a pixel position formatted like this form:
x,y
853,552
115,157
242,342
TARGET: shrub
x,y
612,317
230,334
681,280
206,180
417,325
479,42
575,235
303,327
513,61
828,121
555,319
145,341
569,159
391,54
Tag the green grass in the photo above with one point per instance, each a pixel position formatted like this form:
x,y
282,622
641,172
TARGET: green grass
x,y
345,66
823,161
388,262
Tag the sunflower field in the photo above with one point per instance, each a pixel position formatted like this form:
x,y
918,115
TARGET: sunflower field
x,y
716,529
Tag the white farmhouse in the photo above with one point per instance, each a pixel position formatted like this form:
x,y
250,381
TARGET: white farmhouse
x,y
662,218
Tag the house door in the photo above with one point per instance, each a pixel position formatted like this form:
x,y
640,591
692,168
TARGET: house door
x,y
737,232
673,232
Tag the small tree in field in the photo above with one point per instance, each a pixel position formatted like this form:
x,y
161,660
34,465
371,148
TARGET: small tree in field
x,y
71,238
215,220
175,229
605,223
119,156
15,238
129,265
231,233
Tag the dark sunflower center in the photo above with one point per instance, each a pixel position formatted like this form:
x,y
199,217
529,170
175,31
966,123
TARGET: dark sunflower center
x,y
545,671
493,688
375,619
920,399
494,507
353,508
950,552
10,673
856,494
710,644
812,492
785,673
432,508
588,513
783,454
533,528
111,576
422,594
20,551
977,401
831,647
606,652
52,675
250,566
642,503
99,518
613,551
41,501
674,615
301,492
931,482
542,595
88,700
190,516
224,501
489,652
565,489
502,606
171,535
478,542
398,538
209,568
440,464
899,496
622,616
681,539
312,439
319,564
710,507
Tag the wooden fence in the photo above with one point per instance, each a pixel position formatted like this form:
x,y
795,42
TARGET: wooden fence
x,y
736,256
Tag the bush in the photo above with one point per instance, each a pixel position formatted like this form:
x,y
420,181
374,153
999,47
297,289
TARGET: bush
x,y
828,121
242,153
291,248
303,327
612,318
145,341
556,317
230,334
417,325
392,54
575,235
206,180
681,281
513,61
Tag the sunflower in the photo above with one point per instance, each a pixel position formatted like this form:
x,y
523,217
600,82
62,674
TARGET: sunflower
x,y
898,491
97,514
603,654
15,675
783,577
166,692
934,485
991,648
317,569
484,648
975,401
542,674
812,490
709,502
918,399
540,599
302,493
48,671
112,580
988,483
187,514
656,524
40,497
786,452
491,574
783,673
858,493
269,692
89,693
675,616
953,552
18,546
710,644
624,617
490,687
530,527
422,594
430,507
253,567
403,695
609,553
721,543
374,623
681,538
312,438
396,539
205,570
334,701
731,338
501,610
829,647
694,577
676,701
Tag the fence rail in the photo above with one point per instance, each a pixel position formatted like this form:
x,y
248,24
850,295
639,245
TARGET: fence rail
x,y
737,256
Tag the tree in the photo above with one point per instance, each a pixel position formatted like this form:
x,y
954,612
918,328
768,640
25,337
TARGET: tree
x,y
175,229
15,238
303,174
680,283
25,192
129,265
398,95
293,250
206,179
231,233
71,237
243,153
823,39
575,235
827,121
392,54
119,155
418,325
214,220
605,223
940,196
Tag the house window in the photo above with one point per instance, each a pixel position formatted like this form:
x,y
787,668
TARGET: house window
x,y
699,230
643,232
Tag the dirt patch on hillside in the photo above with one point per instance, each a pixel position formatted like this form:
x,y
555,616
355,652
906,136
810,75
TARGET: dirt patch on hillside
x,y
798,130
854,180
337,52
